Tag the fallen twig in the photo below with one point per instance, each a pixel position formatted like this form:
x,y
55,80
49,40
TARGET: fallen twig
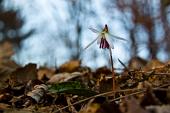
x,y
118,91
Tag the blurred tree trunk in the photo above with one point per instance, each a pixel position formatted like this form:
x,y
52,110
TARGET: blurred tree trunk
x,y
164,13
10,25
144,15
77,10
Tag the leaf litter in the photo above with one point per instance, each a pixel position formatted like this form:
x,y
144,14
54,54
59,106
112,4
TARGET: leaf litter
x,y
72,88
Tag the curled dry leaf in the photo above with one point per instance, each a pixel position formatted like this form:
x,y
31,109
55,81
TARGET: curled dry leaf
x,y
63,77
38,93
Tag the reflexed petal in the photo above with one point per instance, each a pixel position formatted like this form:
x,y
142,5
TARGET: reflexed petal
x,y
119,38
99,39
91,43
110,42
94,30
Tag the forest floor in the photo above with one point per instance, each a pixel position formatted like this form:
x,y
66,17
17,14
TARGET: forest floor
x,y
72,88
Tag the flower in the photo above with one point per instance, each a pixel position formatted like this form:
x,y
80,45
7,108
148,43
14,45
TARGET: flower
x,y
103,39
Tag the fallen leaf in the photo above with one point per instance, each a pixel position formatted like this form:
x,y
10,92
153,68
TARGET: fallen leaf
x,y
104,107
72,87
6,51
149,98
38,92
158,109
45,72
70,66
63,77
137,63
23,74
4,107
91,108
131,105
153,64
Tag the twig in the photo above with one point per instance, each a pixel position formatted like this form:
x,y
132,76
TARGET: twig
x,y
161,73
156,88
127,95
162,89
151,72
72,109
110,92
101,94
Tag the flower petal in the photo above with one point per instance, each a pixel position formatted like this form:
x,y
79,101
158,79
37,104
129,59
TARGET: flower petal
x,y
94,30
116,37
91,43
110,42
99,39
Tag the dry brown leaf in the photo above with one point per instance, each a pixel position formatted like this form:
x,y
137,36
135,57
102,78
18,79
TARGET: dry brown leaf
x,y
168,95
23,74
5,97
97,106
70,66
6,68
91,108
6,65
131,105
149,98
4,106
137,63
153,64
6,51
105,83
13,110
103,70
43,71
159,109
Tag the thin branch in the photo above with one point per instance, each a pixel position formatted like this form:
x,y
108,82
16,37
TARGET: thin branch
x,y
111,92
139,71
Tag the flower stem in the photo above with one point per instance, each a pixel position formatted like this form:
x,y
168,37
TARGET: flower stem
x,y
113,73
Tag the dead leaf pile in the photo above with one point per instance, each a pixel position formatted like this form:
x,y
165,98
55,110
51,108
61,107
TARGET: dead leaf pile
x,y
72,88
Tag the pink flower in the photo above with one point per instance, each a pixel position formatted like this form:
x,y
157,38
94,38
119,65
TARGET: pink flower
x,y
103,38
